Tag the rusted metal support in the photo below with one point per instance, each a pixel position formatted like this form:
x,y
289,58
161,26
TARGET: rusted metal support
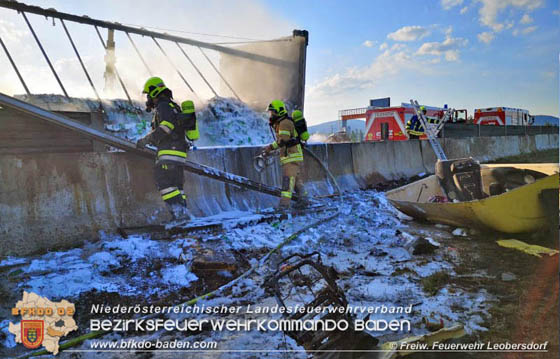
x,y
116,71
110,61
219,73
302,64
174,66
80,59
45,55
14,66
196,68
139,55
327,294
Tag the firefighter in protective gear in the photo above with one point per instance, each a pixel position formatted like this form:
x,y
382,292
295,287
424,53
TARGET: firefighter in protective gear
x,y
414,127
291,154
169,127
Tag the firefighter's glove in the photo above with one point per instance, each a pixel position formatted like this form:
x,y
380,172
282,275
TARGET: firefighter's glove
x,y
265,151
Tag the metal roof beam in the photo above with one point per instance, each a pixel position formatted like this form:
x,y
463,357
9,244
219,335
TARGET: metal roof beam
x,y
14,5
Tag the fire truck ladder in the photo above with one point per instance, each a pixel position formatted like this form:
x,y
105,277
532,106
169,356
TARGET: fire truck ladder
x,y
432,131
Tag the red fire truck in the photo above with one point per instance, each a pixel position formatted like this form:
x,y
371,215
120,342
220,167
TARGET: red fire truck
x,y
389,123
502,116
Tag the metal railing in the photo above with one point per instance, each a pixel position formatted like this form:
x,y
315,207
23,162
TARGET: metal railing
x,y
352,111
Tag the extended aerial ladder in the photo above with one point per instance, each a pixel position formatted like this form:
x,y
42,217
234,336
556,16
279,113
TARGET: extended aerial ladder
x,y
432,131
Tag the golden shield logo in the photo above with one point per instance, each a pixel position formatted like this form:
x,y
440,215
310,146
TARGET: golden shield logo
x,y
32,333
41,326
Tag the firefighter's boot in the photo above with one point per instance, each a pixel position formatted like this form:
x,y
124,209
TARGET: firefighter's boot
x,y
302,202
180,213
302,196
178,208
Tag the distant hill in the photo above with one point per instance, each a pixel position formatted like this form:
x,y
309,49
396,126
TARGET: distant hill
x,y
333,126
541,120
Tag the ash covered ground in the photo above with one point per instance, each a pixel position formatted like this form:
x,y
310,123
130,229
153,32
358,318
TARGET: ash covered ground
x,y
371,246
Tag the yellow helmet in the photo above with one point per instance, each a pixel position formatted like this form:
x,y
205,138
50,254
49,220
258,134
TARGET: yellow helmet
x,y
154,86
278,108
297,115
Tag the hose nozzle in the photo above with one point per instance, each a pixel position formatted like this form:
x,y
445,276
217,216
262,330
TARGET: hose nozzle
x,y
261,161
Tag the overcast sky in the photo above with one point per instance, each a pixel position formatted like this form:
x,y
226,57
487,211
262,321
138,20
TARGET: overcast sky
x,y
465,53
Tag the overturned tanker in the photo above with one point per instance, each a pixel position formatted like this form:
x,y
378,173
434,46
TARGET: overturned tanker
x,y
512,198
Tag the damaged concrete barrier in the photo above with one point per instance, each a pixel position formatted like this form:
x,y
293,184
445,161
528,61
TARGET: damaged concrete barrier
x,y
53,200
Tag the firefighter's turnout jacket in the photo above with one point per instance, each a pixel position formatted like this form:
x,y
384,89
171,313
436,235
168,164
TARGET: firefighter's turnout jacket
x,y
168,135
169,131
414,126
291,159
286,133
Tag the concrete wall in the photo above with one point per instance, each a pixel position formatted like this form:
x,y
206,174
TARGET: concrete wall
x,y
460,130
23,133
62,199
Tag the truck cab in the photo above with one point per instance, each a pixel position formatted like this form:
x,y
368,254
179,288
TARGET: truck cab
x,y
459,116
503,116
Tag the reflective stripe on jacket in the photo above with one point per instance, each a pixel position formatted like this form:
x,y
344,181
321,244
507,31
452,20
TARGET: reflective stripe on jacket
x,y
285,130
171,143
414,126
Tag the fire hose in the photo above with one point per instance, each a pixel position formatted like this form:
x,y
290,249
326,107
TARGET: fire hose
x,y
97,334
261,161
206,171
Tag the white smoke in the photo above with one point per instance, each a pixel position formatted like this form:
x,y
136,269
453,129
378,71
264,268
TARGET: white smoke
x,y
318,138
246,18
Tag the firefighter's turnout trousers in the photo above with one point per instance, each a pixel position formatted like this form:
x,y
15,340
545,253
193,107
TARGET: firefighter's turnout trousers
x,y
169,179
292,182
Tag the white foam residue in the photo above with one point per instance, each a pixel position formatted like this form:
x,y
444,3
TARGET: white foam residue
x,y
54,260
221,121
103,261
9,341
134,247
177,248
111,265
460,232
229,122
10,261
178,275
366,245
70,284
432,267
